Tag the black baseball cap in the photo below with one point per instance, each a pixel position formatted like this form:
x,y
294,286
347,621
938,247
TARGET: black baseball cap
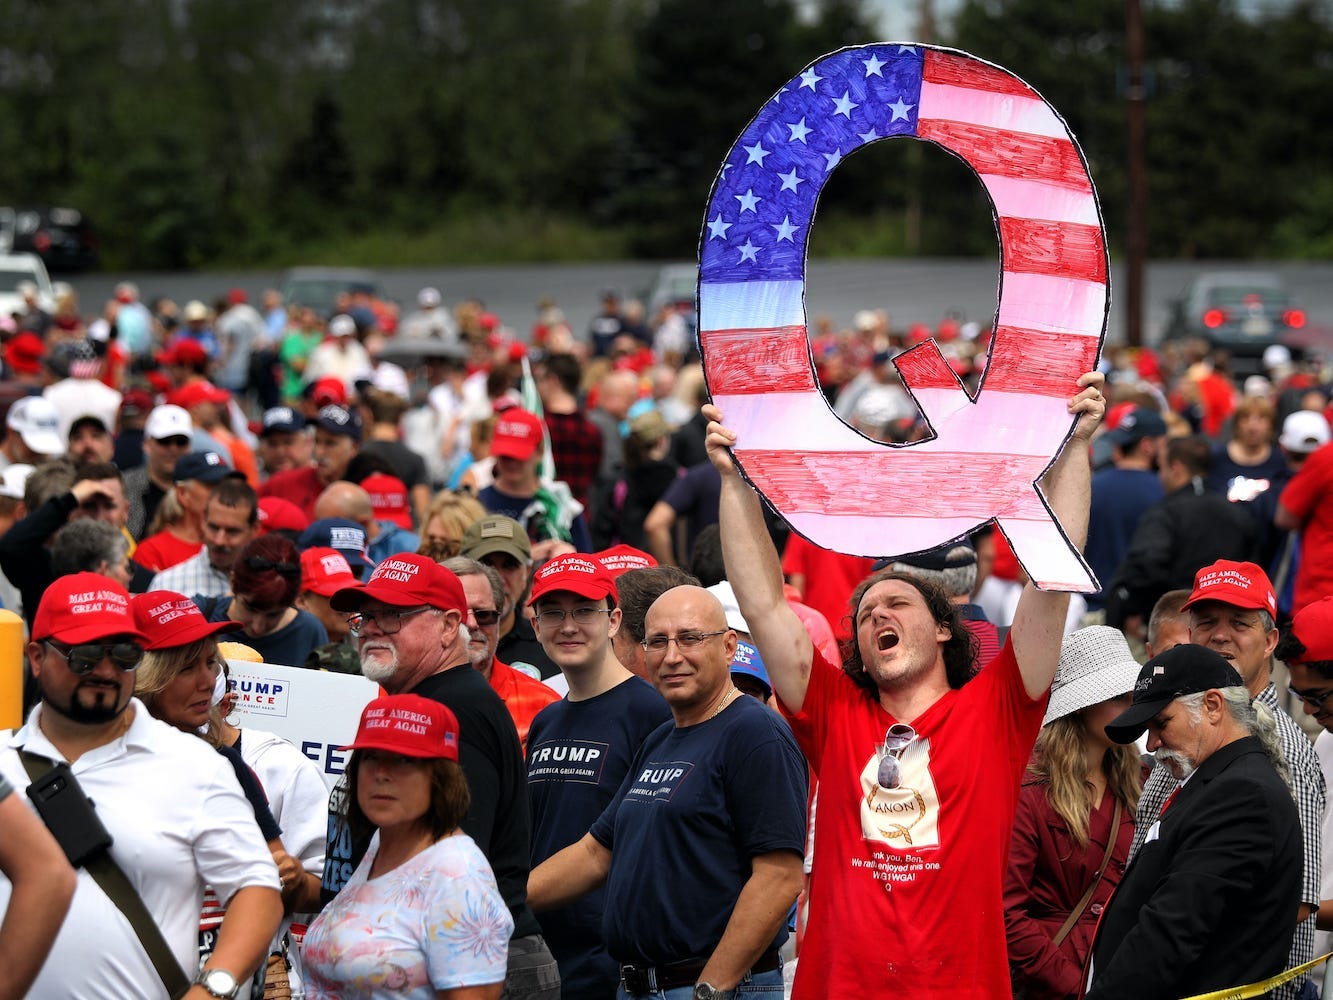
x,y
340,420
951,556
1180,670
204,466
281,418
1139,423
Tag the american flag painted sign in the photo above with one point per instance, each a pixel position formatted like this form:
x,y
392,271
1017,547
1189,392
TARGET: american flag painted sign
x,y
836,487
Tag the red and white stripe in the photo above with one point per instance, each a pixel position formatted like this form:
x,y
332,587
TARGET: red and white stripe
x,y
850,494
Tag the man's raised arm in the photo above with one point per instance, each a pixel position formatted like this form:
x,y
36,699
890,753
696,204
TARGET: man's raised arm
x,y
1039,619
755,573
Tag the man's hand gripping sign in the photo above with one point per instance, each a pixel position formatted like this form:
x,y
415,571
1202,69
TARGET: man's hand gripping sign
x,y
844,491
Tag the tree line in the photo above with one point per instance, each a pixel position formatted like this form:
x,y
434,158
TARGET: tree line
x,y
204,131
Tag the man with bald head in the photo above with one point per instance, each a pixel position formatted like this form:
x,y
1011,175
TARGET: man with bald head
x,y
712,808
350,501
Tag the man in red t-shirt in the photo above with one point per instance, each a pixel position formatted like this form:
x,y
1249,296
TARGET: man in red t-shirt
x,y
919,758
195,475
1306,505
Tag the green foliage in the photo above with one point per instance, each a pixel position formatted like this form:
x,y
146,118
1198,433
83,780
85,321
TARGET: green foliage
x,y
436,131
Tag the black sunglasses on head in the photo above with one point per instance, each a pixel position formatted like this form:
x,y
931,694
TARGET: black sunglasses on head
x,y
261,565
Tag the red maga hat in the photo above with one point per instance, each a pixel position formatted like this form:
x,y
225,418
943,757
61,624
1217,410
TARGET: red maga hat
x,y
518,434
622,558
410,725
326,571
575,574
84,607
168,619
1240,584
1313,626
403,581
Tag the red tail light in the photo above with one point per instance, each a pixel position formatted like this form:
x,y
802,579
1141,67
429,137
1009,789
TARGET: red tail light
x,y
1214,318
42,242
1294,318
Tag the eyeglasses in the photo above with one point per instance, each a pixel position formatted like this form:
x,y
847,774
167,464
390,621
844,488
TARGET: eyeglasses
x,y
261,565
87,655
486,617
685,640
1312,699
175,441
388,621
899,737
554,618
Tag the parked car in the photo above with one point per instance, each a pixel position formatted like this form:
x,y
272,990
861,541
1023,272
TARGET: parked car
x,y
1242,312
62,237
674,286
16,268
319,287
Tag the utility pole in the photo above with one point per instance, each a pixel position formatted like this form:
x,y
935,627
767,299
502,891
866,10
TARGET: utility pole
x,y
1136,222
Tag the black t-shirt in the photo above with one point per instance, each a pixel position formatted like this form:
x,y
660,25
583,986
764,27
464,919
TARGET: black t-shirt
x,y
697,805
578,755
499,819
519,648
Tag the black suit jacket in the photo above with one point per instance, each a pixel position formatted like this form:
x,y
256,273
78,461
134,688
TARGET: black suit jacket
x,y
1212,902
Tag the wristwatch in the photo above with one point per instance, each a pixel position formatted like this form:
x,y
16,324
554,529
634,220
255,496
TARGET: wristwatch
x,y
702,991
219,983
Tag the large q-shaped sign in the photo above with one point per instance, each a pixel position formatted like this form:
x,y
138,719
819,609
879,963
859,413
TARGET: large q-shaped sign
x,y
839,489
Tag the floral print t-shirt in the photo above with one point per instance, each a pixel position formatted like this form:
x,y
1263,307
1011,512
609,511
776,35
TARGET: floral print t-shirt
x,y
433,923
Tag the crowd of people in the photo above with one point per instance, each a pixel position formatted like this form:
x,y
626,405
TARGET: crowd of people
x,y
636,738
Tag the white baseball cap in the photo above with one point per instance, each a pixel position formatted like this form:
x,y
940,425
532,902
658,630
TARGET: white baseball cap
x,y
1304,431
730,606
342,325
168,421
14,479
428,298
36,420
392,379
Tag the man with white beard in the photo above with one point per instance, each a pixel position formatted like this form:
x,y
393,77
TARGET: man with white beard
x,y
1207,902
1231,610
408,623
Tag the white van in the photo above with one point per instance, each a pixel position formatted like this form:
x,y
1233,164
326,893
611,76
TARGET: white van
x,y
16,268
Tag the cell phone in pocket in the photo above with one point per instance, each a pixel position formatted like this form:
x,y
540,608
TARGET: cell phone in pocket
x,y
69,814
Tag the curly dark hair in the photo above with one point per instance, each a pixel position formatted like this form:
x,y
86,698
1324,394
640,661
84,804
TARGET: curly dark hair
x,y
1289,646
449,798
960,650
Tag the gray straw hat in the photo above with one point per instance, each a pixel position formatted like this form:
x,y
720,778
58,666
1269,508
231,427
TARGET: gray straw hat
x,y
1095,664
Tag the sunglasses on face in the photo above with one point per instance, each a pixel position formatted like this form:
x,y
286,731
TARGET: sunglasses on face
x,y
261,565
87,655
486,617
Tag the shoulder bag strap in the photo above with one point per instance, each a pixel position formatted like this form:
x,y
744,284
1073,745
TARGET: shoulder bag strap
x,y
1077,912
118,888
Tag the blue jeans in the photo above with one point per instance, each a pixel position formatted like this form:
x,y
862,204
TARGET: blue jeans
x,y
753,986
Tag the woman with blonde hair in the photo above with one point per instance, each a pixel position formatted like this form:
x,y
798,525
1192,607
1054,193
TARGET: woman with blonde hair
x,y
1075,818
447,518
